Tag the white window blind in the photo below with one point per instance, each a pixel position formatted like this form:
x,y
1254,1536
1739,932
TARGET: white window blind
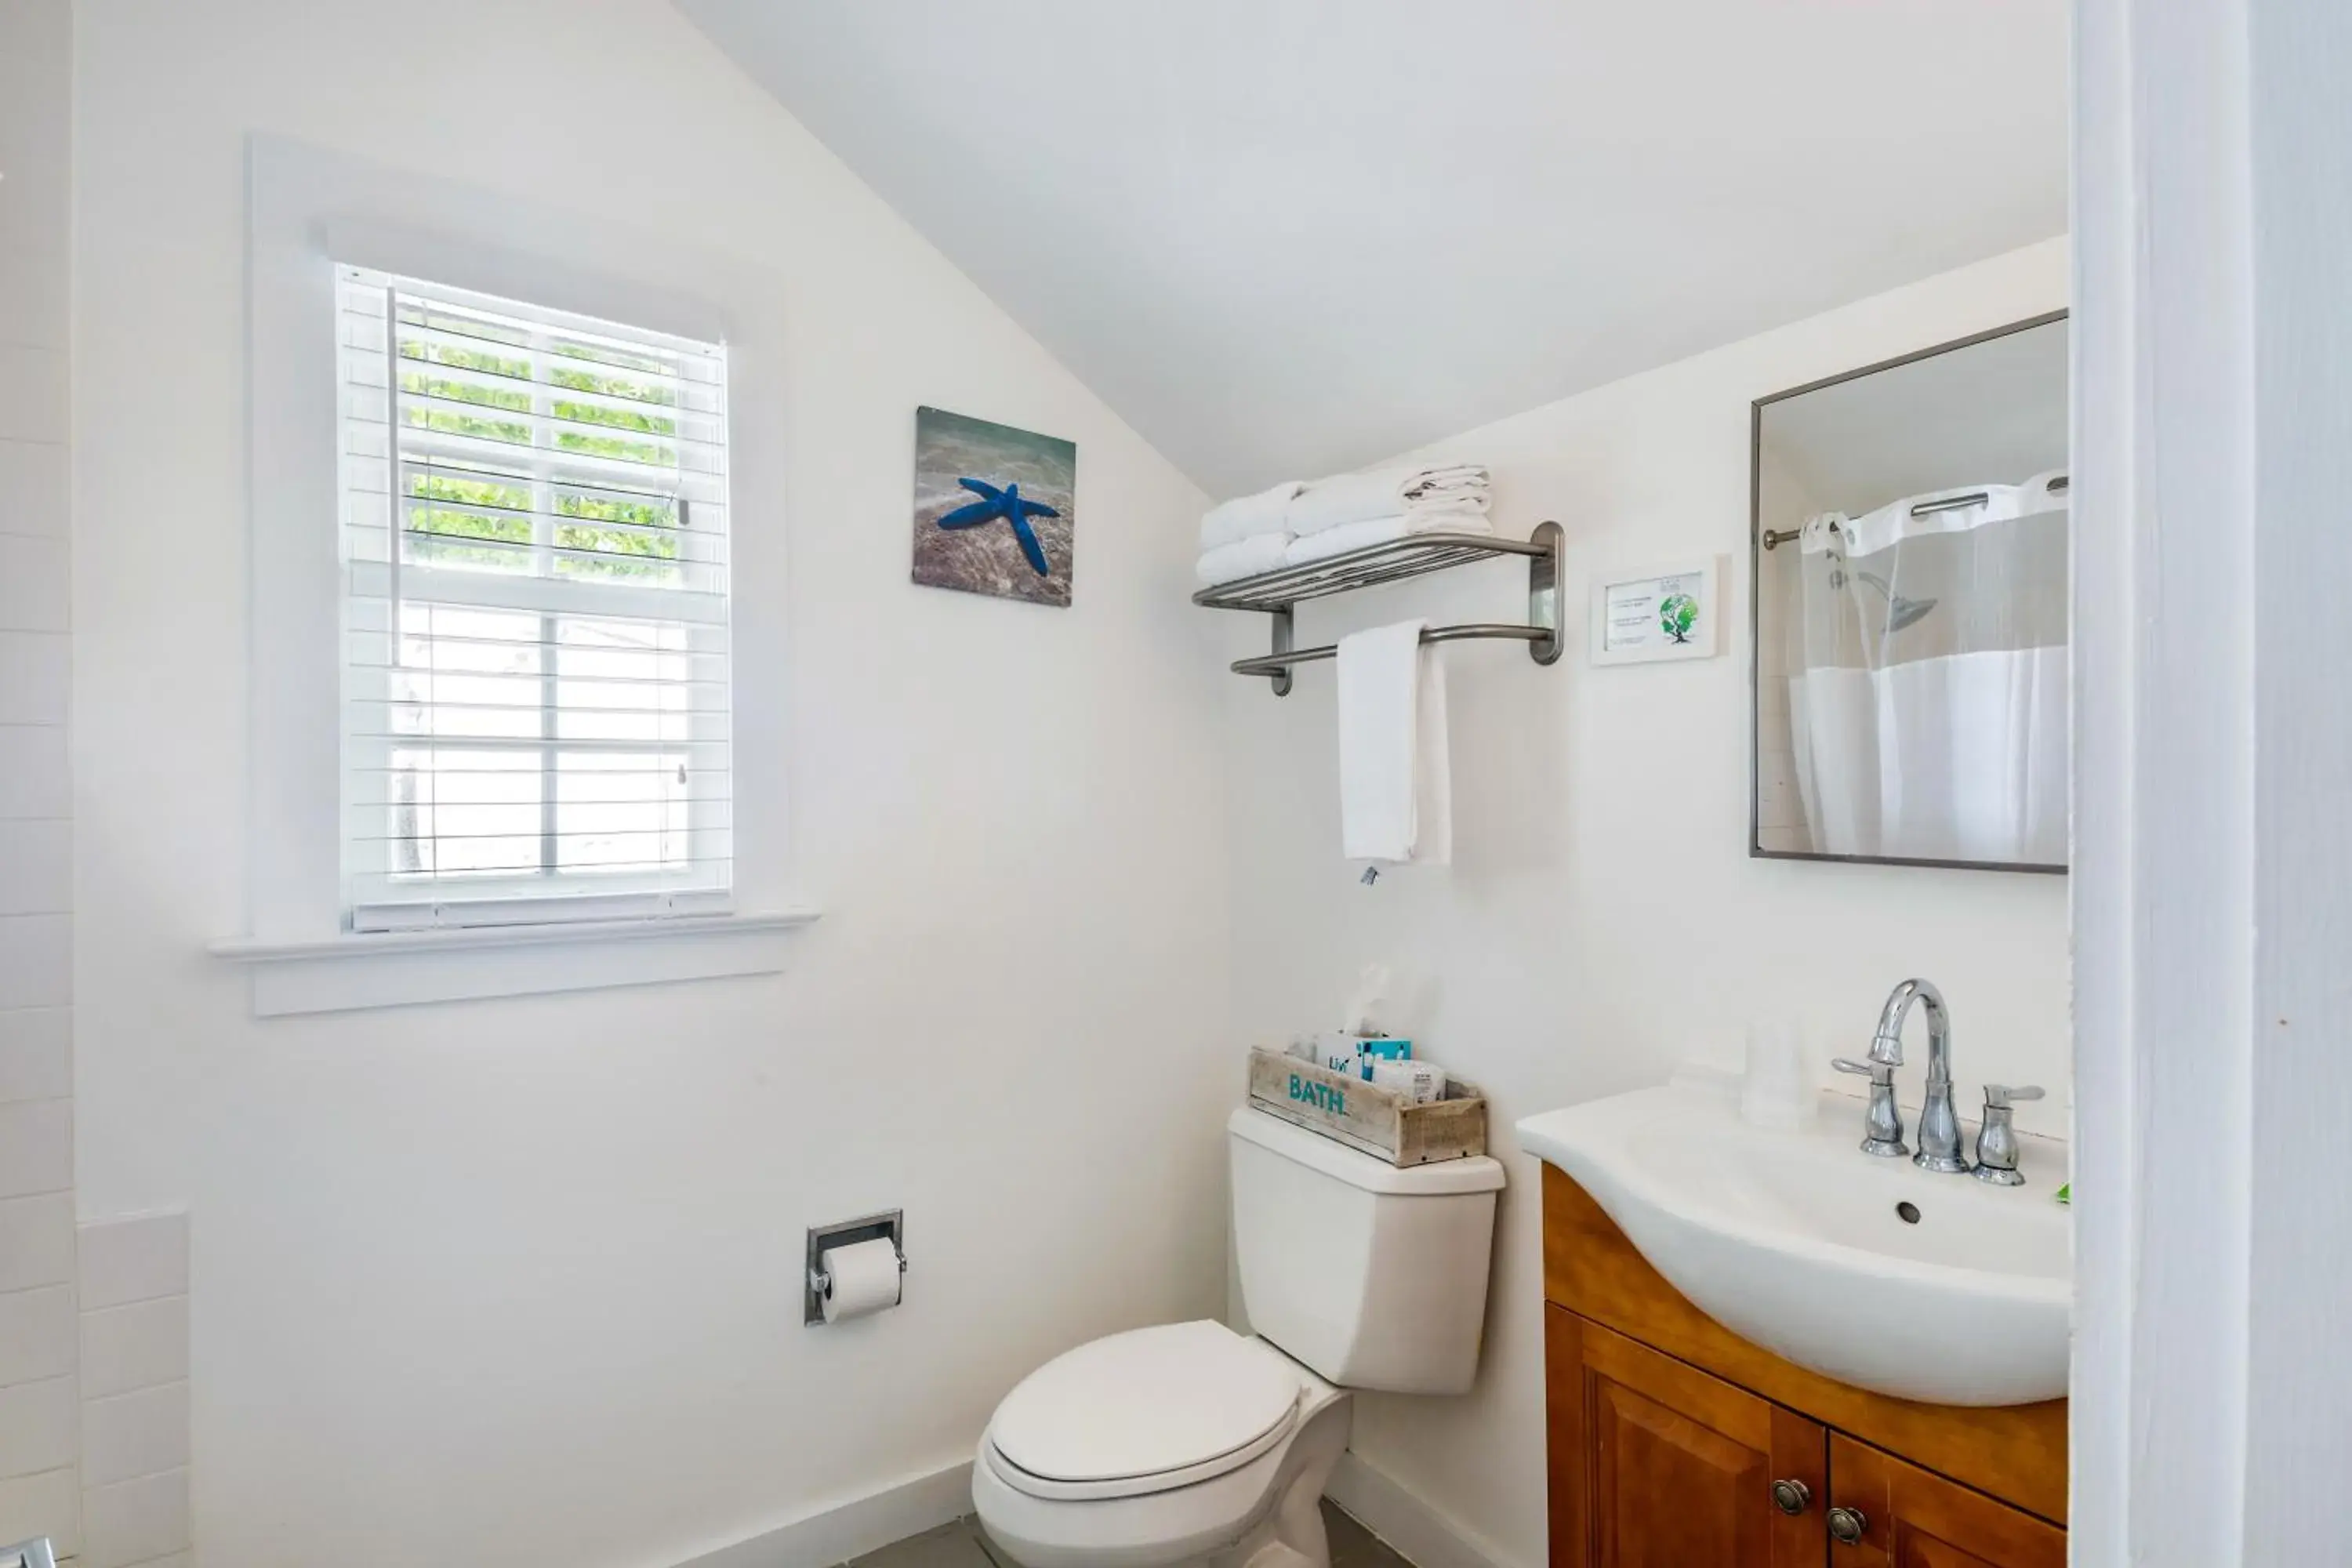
x,y
535,612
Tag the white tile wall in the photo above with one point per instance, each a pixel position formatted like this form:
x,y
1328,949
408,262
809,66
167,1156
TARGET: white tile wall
x,y
36,960
36,1054
36,867
126,1435
35,591
36,296
35,1148
135,1522
134,1347
36,670
139,1259
39,1426
33,393
33,777
40,1338
34,489
37,1243
133,1381
46,1504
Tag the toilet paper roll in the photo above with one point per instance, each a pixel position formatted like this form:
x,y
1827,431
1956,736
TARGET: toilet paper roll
x,y
864,1279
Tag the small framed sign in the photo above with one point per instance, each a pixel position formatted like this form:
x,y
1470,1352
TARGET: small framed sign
x,y
1639,618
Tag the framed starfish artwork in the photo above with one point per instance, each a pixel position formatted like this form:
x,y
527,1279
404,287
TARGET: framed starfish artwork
x,y
996,508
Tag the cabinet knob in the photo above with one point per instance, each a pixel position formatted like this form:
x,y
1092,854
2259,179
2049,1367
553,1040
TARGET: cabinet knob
x,y
1792,1496
1847,1525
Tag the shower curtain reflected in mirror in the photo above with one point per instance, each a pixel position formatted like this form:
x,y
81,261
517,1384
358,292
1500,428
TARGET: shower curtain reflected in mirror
x,y
1926,674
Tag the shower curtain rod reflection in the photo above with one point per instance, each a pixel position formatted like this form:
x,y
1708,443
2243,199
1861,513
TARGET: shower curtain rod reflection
x,y
1774,540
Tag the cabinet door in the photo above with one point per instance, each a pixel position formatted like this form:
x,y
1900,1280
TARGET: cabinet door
x,y
1656,1465
1916,1519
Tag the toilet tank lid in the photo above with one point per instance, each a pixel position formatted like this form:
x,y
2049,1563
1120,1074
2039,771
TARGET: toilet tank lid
x,y
1440,1178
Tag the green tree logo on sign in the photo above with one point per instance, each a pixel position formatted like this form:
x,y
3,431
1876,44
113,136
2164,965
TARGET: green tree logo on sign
x,y
1677,613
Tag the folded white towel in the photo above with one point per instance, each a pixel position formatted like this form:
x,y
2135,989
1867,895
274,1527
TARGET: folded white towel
x,y
1259,553
1349,536
1395,789
1248,516
1384,492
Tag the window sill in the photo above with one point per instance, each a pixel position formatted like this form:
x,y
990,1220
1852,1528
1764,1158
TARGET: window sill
x,y
350,971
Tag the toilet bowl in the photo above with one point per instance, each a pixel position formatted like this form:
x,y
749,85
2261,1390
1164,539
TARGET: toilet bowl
x,y
1190,1445
1186,1444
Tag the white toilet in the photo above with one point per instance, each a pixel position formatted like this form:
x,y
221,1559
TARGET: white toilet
x,y
1190,1445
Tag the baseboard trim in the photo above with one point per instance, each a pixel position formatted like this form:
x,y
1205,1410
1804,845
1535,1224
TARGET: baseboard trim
x,y
835,1535
1416,1530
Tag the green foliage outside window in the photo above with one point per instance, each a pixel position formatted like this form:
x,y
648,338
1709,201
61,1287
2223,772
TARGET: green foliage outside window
x,y
507,539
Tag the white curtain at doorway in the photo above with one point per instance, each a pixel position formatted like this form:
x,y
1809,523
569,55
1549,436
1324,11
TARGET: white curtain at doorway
x,y
1928,685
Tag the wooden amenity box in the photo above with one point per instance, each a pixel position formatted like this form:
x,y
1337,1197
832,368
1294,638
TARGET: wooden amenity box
x,y
1364,1115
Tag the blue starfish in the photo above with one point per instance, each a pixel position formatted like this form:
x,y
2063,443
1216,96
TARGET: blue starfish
x,y
1013,507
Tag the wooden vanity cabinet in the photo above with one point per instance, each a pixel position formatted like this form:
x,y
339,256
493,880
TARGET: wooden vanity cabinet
x,y
1916,1519
1670,1438
1662,1467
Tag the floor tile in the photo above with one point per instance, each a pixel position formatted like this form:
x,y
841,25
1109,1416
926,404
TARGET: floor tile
x,y
964,1544
1353,1546
948,1546
997,1557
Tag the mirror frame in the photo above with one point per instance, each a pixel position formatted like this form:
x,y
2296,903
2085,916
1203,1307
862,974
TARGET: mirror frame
x,y
1756,850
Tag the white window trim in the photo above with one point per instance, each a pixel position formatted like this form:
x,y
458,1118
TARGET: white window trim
x,y
307,209
383,968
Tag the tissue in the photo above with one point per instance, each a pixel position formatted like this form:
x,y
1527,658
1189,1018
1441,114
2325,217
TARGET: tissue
x,y
1370,999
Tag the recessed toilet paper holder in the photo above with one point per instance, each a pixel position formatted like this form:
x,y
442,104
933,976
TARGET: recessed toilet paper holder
x,y
33,1554
824,1238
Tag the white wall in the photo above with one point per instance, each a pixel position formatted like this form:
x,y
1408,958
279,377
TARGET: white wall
x,y
518,1281
2299,1213
1603,917
2212,1400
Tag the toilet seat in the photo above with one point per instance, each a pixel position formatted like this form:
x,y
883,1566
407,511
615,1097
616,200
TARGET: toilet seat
x,y
1144,1412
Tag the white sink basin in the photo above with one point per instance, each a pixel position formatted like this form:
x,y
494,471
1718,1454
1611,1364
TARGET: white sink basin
x,y
1793,1240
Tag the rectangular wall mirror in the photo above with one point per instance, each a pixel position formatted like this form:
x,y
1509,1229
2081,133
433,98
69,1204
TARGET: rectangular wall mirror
x,y
1909,546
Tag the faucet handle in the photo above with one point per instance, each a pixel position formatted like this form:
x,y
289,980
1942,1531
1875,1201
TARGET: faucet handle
x,y
1882,1123
1997,1137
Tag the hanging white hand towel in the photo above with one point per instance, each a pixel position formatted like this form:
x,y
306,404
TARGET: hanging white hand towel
x,y
1395,786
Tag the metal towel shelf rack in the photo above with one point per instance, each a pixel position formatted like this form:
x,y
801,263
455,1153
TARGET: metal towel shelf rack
x,y
1278,594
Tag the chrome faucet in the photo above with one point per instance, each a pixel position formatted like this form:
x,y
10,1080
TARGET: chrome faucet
x,y
1939,1125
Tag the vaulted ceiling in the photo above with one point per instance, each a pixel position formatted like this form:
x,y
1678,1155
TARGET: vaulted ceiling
x,y
1286,236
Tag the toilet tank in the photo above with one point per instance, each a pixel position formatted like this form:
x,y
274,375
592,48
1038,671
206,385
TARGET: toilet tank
x,y
1374,1276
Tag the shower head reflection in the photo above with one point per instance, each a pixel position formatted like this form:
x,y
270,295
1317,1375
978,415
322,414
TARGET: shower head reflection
x,y
1901,612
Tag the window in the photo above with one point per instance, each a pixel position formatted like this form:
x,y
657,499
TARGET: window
x,y
535,682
